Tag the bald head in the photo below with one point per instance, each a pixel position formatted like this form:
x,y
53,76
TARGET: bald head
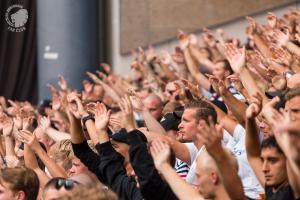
x,y
206,162
208,177
155,105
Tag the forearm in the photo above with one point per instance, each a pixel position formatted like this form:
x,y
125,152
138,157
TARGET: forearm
x,y
192,66
9,146
57,135
293,48
31,162
230,178
54,169
237,107
250,84
263,73
182,189
75,130
151,123
110,92
252,139
91,129
199,57
261,45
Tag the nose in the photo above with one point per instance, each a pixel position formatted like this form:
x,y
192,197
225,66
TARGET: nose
x,y
180,125
265,167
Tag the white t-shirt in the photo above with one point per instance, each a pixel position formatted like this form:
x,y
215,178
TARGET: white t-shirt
x,y
237,146
194,153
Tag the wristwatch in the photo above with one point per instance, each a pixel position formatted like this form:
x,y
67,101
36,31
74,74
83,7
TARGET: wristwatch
x,y
288,74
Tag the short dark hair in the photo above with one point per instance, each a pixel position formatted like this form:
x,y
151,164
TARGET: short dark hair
x,y
204,110
21,179
292,93
271,142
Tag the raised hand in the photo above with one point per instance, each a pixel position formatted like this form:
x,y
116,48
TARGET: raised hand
x,y
136,101
29,138
183,40
251,29
102,116
281,38
75,105
18,122
269,109
272,19
45,123
94,77
193,88
161,153
62,83
235,56
27,122
235,80
127,110
165,58
178,56
255,106
211,135
106,68
217,84
208,38
151,55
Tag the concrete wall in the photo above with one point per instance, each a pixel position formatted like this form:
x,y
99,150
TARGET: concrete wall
x,y
121,63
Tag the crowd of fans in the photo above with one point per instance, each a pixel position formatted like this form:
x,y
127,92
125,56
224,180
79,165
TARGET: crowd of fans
x,y
217,120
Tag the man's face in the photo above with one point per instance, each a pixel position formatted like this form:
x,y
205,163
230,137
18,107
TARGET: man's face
x,y
274,167
188,125
265,128
77,167
5,191
293,107
171,91
219,70
154,108
205,184
121,148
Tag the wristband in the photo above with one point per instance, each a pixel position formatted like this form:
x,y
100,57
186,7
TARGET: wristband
x,y
86,118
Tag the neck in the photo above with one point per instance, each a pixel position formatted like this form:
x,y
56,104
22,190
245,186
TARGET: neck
x,y
198,144
281,185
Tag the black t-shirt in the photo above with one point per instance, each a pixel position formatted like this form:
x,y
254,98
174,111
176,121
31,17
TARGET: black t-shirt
x,y
285,193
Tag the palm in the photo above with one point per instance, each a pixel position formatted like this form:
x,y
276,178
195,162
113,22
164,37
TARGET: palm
x,y
102,116
237,62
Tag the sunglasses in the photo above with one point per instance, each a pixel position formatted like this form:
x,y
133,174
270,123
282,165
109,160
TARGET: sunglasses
x,y
66,183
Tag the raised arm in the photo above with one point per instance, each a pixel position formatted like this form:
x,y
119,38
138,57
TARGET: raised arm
x,y
51,132
252,138
31,162
190,62
236,58
30,139
160,152
151,123
212,136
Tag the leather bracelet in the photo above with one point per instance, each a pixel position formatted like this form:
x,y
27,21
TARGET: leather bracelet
x,y
86,118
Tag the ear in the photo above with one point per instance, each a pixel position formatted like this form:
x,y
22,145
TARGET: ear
x,y
214,177
227,73
21,195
